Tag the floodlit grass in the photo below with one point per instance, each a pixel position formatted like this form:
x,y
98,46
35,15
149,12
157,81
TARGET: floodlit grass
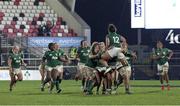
x,y
28,93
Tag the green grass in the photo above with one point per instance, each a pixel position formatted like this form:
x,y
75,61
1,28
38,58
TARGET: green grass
x,y
28,93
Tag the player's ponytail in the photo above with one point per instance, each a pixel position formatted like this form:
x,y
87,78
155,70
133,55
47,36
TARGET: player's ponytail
x,y
93,47
50,46
112,28
82,43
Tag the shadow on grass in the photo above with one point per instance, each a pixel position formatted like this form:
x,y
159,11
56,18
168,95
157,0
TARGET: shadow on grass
x,y
36,93
148,92
5,92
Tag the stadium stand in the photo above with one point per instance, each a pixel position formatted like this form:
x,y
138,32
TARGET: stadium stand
x,y
21,19
24,17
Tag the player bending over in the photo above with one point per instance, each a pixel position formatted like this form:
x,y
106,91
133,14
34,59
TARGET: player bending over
x,y
90,72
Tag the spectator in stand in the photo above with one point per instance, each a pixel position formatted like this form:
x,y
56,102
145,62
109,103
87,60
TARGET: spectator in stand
x,y
47,28
41,30
36,2
34,22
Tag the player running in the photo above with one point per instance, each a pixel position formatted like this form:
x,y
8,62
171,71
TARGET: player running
x,y
63,59
15,61
162,56
43,74
51,66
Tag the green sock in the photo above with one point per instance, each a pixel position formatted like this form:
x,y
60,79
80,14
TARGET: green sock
x,y
57,85
45,81
52,85
87,85
127,88
60,80
90,88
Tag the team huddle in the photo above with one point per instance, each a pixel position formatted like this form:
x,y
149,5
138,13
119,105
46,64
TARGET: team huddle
x,y
105,65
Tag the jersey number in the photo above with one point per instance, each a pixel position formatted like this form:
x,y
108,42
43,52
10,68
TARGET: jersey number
x,y
116,39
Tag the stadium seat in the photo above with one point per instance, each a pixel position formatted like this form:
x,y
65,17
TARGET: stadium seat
x,y
28,22
1,18
12,15
1,3
8,10
15,30
5,30
26,4
11,3
54,34
21,3
19,22
8,22
66,31
17,26
2,14
6,14
3,22
26,30
10,7
69,35
25,19
30,7
13,11
64,34
3,10
1,27
5,6
20,30
10,30
31,30
59,34
16,3
14,7
25,7
23,22
61,31
13,22
57,26
19,34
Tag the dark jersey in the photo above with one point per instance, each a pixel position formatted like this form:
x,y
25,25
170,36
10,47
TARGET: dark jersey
x,y
83,54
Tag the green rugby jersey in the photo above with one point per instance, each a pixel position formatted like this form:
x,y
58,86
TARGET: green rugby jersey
x,y
52,58
128,55
162,54
114,39
16,60
61,52
83,54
